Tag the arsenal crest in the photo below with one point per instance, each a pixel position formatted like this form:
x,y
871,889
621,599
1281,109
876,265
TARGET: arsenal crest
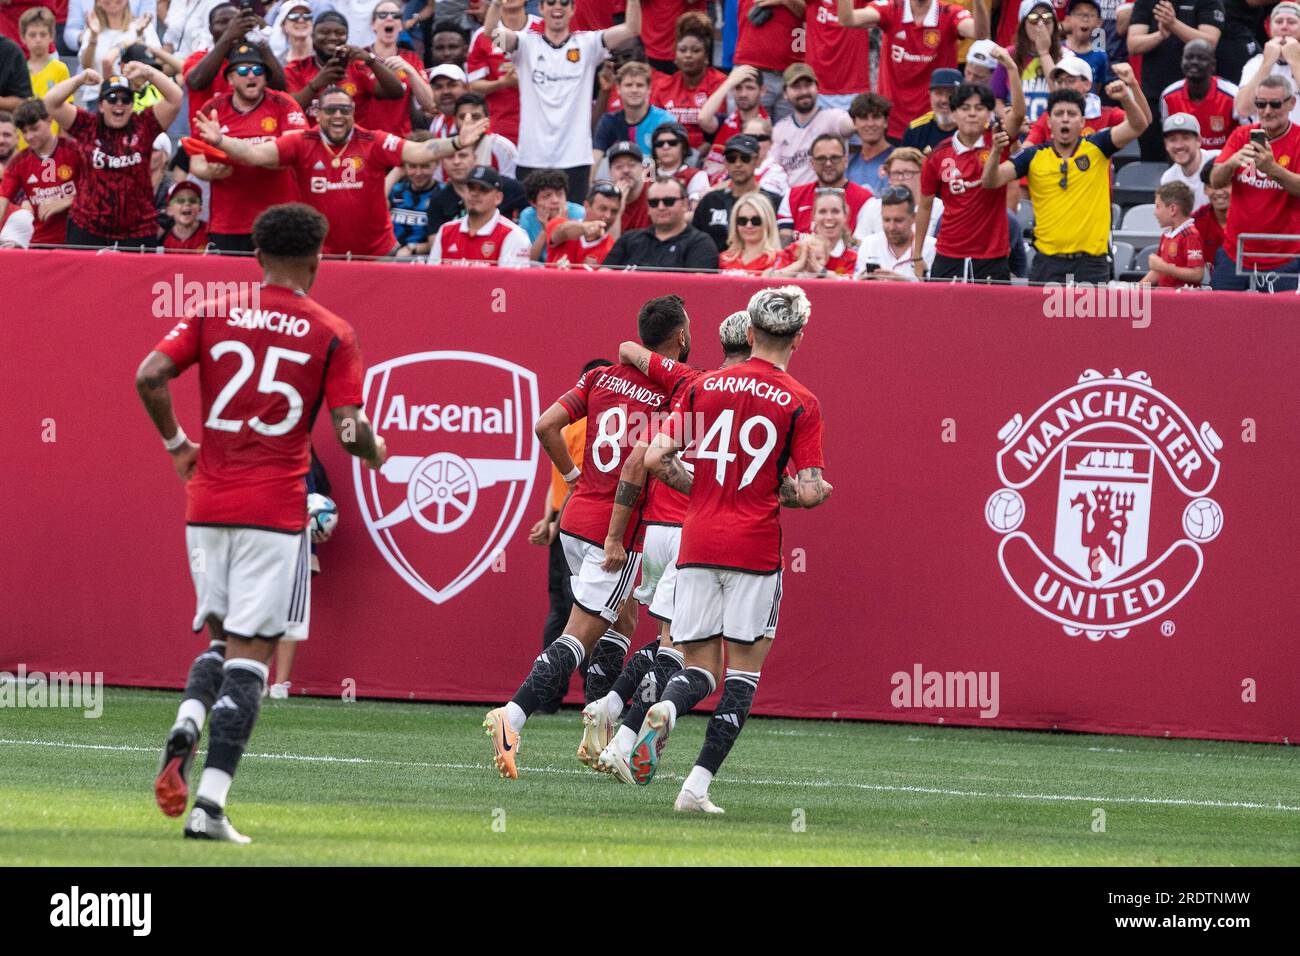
x,y
573,55
462,459
489,248
1217,124
1114,477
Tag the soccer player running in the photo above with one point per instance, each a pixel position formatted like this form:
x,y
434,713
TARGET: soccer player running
x,y
651,667
755,418
263,373
615,400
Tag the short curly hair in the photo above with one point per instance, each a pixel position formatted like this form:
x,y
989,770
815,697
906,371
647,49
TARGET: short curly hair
x,y
290,231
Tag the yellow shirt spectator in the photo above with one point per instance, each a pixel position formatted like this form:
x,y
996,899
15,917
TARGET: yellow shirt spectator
x,y
575,439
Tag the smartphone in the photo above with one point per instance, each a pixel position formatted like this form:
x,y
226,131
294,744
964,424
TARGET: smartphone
x,y
871,267
1259,137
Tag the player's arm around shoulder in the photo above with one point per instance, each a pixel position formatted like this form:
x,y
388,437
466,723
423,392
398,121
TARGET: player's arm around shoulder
x,y
662,461
631,480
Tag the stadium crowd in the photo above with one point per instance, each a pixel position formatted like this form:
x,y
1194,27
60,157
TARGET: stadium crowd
x,y
895,140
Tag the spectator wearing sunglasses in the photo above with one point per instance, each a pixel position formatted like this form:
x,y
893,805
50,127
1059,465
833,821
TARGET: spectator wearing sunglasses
x,y
753,244
770,174
394,115
829,157
713,214
1280,57
670,242
671,147
291,32
482,236
204,73
1069,185
253,113
1265,194
114,203
186,233
575,243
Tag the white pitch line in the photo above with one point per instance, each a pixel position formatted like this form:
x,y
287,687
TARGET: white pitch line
x,y
819,784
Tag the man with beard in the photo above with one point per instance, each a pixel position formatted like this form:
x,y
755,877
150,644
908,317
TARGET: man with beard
x,y
713,214
449,84
340,169
792,137
1200,93
337,64
448,202
206,71
1183,144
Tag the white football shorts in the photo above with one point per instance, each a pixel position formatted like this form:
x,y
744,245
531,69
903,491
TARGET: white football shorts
x,y
659,569
596,590
255,582
711,601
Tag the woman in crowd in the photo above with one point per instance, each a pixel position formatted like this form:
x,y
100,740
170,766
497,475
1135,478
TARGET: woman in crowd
x,y
291,32
110,27
753,244
670,144
831,248
682,93
393,116
769,175
1038,48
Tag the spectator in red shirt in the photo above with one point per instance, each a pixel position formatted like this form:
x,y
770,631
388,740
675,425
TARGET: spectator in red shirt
x,y
917,37
765,41
184,205
1213,216
745,87
43,175
114,202
684,91
658,20
627,170
753,243
586,242
492,75
840,58
340,169
1202,94
204,73
255,114
393,115
334,63
1180,260
830,160
830,248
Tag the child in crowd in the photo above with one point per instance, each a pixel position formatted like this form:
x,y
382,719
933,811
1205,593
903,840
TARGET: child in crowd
x,y
187,234
1084,38
1180,260
408,203
36,27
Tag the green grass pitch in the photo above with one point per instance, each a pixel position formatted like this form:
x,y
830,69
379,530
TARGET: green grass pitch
x,y
329,782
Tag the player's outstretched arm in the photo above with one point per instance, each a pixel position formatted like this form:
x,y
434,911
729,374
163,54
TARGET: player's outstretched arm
x,y
151,382
813,489
631,479
357,437
661,461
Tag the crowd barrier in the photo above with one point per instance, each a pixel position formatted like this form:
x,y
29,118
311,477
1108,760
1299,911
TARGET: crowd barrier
x,y
1042,518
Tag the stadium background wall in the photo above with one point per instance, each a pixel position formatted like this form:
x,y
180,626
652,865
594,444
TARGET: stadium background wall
x,y
899,570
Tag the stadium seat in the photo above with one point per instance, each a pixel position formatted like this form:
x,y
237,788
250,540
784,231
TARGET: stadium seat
x,y
1025,213
1123,253
1137,182
1116,214
1140,226
1140,260
1129,154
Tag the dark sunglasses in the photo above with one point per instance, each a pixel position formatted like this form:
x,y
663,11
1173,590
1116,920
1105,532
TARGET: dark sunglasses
x,y
738,158
121,99
828,191
298,17
1271,104
344,108
249,69
664,143
762,137
749,220
603,187
894,194
665,201
389,15
562,3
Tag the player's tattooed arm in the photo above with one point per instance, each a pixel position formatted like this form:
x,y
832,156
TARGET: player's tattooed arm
x,y
632,353
788,492
357,437
813,489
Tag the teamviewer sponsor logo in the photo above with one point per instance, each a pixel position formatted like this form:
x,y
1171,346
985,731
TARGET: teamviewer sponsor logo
x,y
947,690
75,690
183,297
76,909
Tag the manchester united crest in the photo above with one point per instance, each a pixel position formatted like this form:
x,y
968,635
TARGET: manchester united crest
x,y
269,123
573,55
931,38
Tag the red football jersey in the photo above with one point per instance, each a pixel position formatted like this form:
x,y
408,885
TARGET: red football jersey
x,y
659,25
665,505
796,210
359,83
841,58
670,92
1214,113
346,184
195,243
1180,247
750,421
263,372
1260,204
768,47
728,128
114,192
42,179
393,116
239,198
974,218
735,261
199,99
621,405
1211,232
595,14
636,214
907,62
576,252
842,261
1041,133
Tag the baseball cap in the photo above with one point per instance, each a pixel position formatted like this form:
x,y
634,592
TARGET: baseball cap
x,y
185,185
139,53
485,176
1182,123
244,53
796,72
115,83
1026,6
945,76
673,129
980,54
449,70
741,143
625,148
1286,6
1075,66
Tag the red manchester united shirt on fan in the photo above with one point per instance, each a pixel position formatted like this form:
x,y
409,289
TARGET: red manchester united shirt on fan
x,y
263,371
620,405
664,505
1180,247
41,180
576,252
974,218
114,194
499,243
841,58
358,83
219,86
1215,113
750,421
1260,204
391,116
239,198
912,51
346,184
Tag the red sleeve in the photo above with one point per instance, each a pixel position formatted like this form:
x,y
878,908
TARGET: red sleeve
x,y
363,77
1038,132
929,176
886,8
477,58
344,375
671,424
956,16
1195,248
151,125
806,449
289,148
551,227
1236,139
9,188
181,344
575,399
665,372
81,122
389,148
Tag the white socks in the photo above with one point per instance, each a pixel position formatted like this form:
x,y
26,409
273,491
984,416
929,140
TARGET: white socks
x,y
625,740
613,705
697,781
214,785
192,710
516,716
672,709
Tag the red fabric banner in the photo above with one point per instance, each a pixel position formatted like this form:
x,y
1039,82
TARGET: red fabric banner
x,y
1085,521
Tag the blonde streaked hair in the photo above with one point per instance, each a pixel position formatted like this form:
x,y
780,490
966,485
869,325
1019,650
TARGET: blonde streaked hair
x,y
779,310
771,238
732,333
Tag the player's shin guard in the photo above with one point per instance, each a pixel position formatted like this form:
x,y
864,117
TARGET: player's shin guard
x,y
550,674
638,665
201,688
668,663
687,689
235,713
737,695
605,663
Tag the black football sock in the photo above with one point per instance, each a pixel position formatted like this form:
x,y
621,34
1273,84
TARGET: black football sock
x,y
638,665
738,689
688,688
605,663
206,675
235,713
550,674
668,663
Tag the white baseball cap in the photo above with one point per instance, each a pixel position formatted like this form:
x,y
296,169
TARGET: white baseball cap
x,y
449,70
1027,5
1075,66
980,54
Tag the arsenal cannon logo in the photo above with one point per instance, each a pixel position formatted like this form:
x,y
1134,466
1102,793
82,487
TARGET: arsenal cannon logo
x,y
1114,477
461,461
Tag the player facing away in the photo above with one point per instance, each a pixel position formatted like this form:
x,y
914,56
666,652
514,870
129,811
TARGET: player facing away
x,y
650,668
618,401
263,373
755,418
